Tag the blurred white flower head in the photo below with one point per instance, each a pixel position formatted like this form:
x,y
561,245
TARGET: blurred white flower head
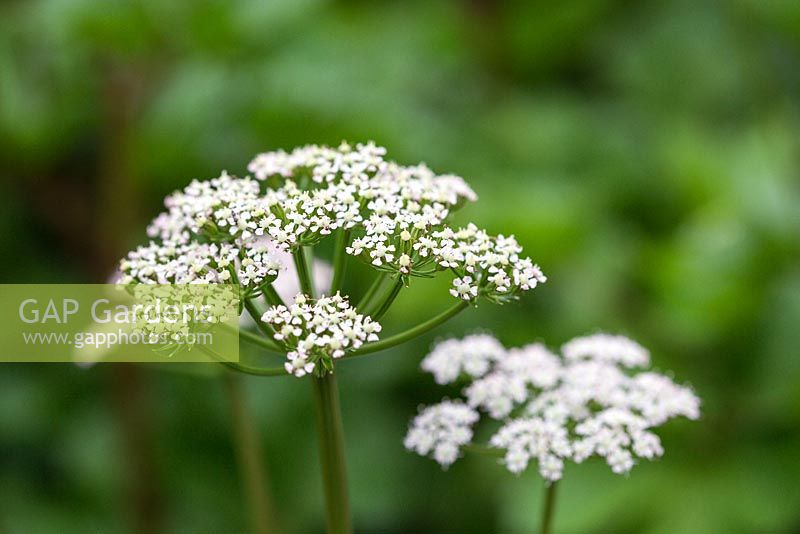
x,y
586,402
441,430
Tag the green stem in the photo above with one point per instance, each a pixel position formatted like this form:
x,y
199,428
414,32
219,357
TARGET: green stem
x,y
339,263
249,451
255,371
261,341
255,313
271,295
331,434
381,310
411,333
242,368
549,508
303,272
370,294
332,458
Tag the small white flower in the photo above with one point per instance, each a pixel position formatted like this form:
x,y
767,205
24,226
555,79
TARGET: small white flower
x,y
464,288
405,263
298,364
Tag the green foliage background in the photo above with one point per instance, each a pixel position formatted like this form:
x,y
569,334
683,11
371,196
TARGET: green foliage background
x,y
644,153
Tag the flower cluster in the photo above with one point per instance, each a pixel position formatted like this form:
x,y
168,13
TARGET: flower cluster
x,y
441,430
315,332
199,263
220,208
586,402
607,348
484,265
171,317
396,219
512,376
472,355
321,164
399,217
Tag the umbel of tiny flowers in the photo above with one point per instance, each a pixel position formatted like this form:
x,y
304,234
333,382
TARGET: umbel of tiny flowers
x,y
396,219
318,331
588,401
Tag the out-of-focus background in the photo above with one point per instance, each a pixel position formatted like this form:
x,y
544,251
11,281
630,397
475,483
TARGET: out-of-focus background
x,y
644,153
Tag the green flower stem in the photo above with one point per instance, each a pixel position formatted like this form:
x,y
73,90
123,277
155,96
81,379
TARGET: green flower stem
x,y
339,257
242,368
332,458
248,449
331,434
370,294
549,508
411,333
381,310
255,371
252,308
303,272
271,295
261,341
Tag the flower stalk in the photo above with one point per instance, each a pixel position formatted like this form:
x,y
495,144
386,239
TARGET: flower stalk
x,y
303,272
382,308
332,457
339,263
549,508
272,295
242,368
261,341
371,292
411,333
331,433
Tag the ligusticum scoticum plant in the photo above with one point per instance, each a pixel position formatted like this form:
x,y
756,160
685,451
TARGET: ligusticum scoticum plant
x,y
588,401
396,219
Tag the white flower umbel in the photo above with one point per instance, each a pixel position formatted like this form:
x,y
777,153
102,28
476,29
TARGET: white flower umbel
x,y
199,263
537,438
441,430
509,383
321,163
317,331
484,265
398,215
584,403
472,355
396,218
223,208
